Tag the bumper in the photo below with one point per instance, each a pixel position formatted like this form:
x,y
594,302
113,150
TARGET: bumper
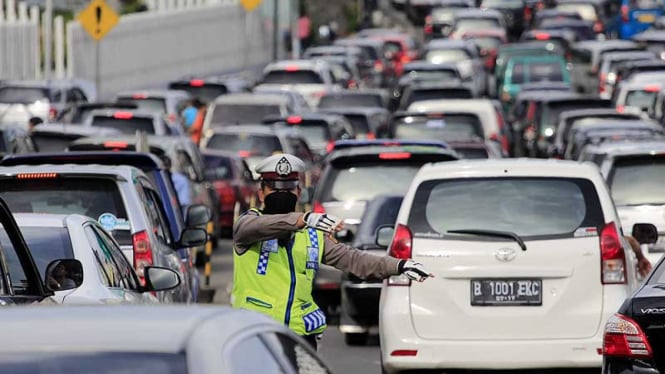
x,y
629,366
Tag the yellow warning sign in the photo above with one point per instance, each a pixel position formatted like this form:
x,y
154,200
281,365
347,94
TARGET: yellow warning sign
x,y
250,5
98,19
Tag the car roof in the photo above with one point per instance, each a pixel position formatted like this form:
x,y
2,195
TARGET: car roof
x,y
154,93
605,44
89,170
477,12
355,110
449,104
449,43
139,113
165,329
424,65
507,167
528,58
140,160
531,86
603,125
252,98
44,219
246,129
632,148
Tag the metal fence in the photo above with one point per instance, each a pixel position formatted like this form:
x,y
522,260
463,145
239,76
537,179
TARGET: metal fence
x,y
20,56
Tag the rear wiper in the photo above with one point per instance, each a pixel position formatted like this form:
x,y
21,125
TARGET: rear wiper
x,y
500,234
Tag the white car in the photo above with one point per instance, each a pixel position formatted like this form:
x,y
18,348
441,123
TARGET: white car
x,y
528,263
150,339
107,277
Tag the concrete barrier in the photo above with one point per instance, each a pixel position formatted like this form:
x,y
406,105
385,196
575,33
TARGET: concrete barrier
x,y
150,48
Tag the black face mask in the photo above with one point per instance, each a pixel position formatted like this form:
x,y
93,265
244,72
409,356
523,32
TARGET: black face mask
x,y
280,202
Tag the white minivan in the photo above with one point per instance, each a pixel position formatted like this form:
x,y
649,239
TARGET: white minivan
x,y
528,259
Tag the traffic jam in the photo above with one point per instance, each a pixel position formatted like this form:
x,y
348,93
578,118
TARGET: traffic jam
x,y
509,155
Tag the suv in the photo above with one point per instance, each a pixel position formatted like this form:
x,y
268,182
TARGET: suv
x,y
529,259
319,129
131,121
167,103
121,198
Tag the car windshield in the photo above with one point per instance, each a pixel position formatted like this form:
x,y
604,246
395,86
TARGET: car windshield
x,y
90,197
641,99
23,95
246,144
156,105
472,24
638,181
450,127
98,363
359,122
292,77
529,207
316,133
537,72
126,126
220,166
432,75
365,181
46,244
442,56
486,42
343,101
242,113
46,142
585,10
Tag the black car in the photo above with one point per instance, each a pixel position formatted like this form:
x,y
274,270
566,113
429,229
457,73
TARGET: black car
x,y
634,338
360,298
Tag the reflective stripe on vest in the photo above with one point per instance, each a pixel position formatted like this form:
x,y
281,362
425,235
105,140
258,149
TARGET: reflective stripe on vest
x,y
277,280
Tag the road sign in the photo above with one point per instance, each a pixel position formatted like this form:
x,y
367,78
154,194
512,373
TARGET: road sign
x,y
98,19
250,5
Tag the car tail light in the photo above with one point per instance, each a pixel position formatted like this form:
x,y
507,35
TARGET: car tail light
x,y
115,144
404,352
330,146
352,83
139,96
404,58
652,88
624,338
196,83
613,260
319,93
621,108
527,14
542,36
428,29
394,155
52,113
371,136
293,120
244,154
624,13
598,27
36,176
317,207
123,115
378,66
401,248
291,68
540,5
142,253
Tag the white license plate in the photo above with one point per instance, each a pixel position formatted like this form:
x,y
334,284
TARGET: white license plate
x,y
506,292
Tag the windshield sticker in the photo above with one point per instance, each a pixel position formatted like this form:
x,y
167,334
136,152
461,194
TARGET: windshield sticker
x,y
436,123
122,224
107,221
585,231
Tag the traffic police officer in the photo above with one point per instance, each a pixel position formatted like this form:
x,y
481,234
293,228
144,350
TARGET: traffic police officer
x,y
278,251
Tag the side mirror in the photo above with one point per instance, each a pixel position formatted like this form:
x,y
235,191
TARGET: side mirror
x,y
306,195
160,279
384,235
197,215
65,274
193,237
645,233
345,236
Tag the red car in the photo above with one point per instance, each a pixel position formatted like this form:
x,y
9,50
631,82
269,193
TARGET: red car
x,y
488,42
237,190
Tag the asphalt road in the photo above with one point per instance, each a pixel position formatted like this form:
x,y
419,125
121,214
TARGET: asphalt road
x,y
333,350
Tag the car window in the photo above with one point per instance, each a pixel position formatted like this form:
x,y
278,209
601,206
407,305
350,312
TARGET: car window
x,y
23,95
518,74
46,244
70,96
292,77
125,269
219,165
242,113
640,98
472,152
102,252
301,359
342,101
157,217
243,358
581,56
586,11
126,126
316,133
441,56
359,122
450,127
80,96
529,207
649,171
432,75
246,144
155,105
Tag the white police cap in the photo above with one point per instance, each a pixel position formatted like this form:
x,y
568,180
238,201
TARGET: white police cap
x,y
281,166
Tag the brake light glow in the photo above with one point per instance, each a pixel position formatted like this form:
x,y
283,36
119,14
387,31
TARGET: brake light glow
x,y
624,338
404,352
621,108
401,245
139,96
36,175
598,27
52,113
371,136
244,154
196,83
330,146
601,82
613,260
652,88
527,14
395,156
123,115
542,36
291,68
294,120
115,144
317,207
142,254
428,25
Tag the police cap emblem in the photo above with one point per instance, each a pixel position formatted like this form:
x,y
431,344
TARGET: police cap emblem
x,y
283,167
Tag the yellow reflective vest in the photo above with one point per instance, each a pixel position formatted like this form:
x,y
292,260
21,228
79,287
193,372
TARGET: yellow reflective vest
x,y
277,280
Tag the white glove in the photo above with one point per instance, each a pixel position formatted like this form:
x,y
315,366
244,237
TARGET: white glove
x,y
322,221
414,270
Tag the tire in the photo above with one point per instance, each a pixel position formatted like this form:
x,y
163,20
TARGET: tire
x,y
355,339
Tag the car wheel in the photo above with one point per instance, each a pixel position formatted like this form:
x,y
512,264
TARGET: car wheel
x,y
355,339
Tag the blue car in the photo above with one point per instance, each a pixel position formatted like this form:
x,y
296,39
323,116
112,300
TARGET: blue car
x,y
637,16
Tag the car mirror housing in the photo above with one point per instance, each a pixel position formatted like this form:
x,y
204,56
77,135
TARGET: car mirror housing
x,y
645,233
384,235
161,279
197,215
193,237
63,275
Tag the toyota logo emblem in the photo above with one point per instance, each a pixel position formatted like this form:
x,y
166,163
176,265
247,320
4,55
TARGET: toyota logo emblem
x,y
505,254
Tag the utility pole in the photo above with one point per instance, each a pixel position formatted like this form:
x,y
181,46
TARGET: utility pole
x,y
275,26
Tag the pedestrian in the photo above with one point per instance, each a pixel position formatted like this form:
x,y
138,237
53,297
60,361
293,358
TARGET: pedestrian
x,y
196,129
304,29
34,122
278,251
190,112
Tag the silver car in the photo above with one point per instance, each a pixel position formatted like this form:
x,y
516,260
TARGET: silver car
x,y
150,339
167,103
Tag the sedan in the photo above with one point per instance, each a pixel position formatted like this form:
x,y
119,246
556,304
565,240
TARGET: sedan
x,y
106,277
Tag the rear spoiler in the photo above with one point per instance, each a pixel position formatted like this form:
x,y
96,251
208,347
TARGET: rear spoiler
x,y
399,156
143,161
346,144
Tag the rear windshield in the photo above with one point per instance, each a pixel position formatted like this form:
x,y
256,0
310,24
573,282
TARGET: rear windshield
x,y
22,95
126,126
486,42
220,166
52,142
149,104
450,127
649,171
359,122
343,101
436,94
205,93
87,196
641,99
442,56
445,14
316,133
365,181
46,244
473,24
93,362
502,4
529,207
432,75
243,113
472,152
586,11
292,77
249,145
551,111
537,72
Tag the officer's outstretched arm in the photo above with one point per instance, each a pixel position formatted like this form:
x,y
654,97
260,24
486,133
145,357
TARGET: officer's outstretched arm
x,y
359,263
251,228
